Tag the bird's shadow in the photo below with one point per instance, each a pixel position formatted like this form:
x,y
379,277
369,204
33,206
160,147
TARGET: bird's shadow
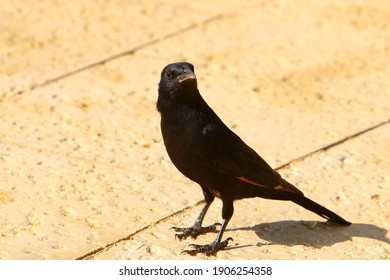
x,y
313,234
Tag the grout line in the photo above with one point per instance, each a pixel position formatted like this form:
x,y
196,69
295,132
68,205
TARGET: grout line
x,y
98,250
357,134
327,147
124,53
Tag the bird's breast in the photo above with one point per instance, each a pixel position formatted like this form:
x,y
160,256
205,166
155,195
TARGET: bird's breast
x,y
181,140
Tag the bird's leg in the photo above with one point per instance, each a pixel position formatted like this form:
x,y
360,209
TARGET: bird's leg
x,y
197,228
214,247
217,244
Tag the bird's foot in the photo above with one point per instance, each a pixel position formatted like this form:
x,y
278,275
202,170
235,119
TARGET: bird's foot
x,y
194,231
208,249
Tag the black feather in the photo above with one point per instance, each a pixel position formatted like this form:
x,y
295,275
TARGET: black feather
x,y
205,150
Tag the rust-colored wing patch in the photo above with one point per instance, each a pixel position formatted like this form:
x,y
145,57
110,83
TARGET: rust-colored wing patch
x,y
278,187
256,184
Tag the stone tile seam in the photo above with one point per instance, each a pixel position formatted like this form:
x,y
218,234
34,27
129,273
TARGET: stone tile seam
x,y
130,236
334,144
119,55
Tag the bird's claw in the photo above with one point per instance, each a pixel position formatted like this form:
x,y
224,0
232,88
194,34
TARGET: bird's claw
x,y
208,249
194,231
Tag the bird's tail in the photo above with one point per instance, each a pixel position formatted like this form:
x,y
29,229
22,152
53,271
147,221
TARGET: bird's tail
x,y
319,209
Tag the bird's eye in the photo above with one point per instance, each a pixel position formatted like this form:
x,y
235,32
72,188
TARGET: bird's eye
x,y
169,74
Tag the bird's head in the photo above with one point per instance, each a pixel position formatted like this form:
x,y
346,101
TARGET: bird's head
x,y
178,82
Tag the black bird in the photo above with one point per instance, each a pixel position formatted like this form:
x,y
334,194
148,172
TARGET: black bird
x,y
205,150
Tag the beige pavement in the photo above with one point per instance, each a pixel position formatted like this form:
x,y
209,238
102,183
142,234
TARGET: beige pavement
x,y
84,173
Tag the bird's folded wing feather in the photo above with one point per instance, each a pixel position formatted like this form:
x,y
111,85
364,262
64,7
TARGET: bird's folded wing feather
x,y
226,153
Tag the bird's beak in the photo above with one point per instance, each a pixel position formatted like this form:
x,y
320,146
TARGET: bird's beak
x,y
186,77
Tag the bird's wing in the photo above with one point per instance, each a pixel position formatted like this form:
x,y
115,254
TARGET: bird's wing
x,y
226,153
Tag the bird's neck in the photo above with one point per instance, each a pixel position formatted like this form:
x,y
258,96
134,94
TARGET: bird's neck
x,y
181,101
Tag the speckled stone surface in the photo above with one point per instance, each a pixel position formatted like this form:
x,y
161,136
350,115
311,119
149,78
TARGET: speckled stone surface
x,y
84,173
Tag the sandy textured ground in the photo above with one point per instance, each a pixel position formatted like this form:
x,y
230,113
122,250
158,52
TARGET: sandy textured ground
x,y
84,173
